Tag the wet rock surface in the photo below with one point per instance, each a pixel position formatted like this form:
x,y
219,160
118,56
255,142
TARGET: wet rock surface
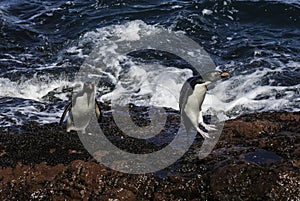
x,y
256,158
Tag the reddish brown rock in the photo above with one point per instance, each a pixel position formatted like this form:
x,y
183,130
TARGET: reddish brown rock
x,y
235,181
256,158
240,128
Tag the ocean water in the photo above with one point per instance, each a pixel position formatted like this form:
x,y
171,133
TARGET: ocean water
x,y
44,44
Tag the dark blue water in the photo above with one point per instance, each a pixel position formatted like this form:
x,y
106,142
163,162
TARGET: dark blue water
x,y
44,43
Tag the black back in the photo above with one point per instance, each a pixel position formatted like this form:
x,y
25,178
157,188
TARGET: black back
x,y
188,88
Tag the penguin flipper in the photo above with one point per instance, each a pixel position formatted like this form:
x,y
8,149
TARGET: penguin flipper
x,y
97,109
67,109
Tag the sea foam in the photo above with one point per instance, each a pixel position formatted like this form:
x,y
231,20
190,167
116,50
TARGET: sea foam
x,y
145,83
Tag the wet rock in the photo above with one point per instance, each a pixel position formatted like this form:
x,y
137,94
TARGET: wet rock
x,y
236,180
250,129
287,186
256,158
119,194
262,157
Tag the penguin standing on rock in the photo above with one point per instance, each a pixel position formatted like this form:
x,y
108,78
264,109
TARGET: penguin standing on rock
x,y
192,95
81,109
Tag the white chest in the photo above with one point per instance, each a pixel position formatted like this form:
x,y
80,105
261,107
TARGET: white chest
x,y
83,106
195,100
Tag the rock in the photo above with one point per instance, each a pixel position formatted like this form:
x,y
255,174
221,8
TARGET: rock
x,y
119,194
262,157
287,186
256,158
242,181
250,129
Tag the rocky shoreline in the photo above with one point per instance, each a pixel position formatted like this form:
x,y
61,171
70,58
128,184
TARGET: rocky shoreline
x,y
256,158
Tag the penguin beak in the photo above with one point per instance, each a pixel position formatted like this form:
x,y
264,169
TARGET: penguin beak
x,y
225,75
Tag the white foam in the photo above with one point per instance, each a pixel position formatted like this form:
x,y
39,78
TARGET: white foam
x,y
240,94
157,85
141,84
128,32
154,84
33,89
177,7
207,12
150,85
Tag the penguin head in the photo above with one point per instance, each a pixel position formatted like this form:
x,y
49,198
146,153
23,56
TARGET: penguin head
x,y
214,76
88,87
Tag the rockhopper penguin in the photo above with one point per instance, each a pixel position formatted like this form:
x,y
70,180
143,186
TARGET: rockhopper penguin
x,y
192,95
81,108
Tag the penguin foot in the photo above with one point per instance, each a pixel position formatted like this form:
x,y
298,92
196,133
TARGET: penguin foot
x,y
209,127
204,134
